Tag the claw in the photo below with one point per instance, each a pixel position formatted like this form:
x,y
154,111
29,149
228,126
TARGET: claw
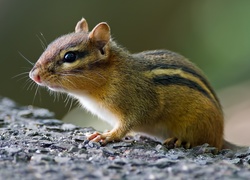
x,y
93,136
170,142
103,138
187,145
176,143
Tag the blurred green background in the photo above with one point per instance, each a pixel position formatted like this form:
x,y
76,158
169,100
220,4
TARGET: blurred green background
x,y
213,34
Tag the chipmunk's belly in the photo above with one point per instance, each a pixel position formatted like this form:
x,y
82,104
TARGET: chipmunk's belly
x,y
97,109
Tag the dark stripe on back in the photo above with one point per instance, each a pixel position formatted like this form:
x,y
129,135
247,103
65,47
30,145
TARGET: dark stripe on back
x,y
188,70
177,80
159,52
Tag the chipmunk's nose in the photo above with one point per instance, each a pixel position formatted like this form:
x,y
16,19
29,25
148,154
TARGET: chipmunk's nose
x,y
34,75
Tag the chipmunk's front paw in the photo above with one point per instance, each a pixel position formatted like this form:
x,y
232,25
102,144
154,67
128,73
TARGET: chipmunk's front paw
x,y
103,138
176,143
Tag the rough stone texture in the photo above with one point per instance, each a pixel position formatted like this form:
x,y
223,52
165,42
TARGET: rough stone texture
x,y
33,145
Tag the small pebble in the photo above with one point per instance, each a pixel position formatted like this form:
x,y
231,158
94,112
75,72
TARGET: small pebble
x,y
68,127
62,159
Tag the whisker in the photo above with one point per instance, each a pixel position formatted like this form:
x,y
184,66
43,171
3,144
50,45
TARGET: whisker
x,y
78,104
41,42
34,86
18,75
59,82
71,103
100,75
44,40
21,78
57,96
31,86
39,93
79,76
96,61
26,83
74,85
53,94
25,68
66,100
26,59
93,72
35,94
89,79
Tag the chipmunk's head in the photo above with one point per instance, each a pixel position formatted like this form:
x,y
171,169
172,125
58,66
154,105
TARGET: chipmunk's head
x,y
73,61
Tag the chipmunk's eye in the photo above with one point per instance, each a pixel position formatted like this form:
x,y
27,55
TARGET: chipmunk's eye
x,y
69,57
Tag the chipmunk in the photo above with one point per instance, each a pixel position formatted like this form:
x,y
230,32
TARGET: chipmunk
x,y
159,93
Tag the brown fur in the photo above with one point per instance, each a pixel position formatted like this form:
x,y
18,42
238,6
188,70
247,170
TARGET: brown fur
x,y
122,84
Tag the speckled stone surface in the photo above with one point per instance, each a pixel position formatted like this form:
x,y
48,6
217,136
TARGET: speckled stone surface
x,y
34,145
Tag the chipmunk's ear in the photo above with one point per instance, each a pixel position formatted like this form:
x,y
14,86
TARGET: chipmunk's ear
x,y
82,26
100,35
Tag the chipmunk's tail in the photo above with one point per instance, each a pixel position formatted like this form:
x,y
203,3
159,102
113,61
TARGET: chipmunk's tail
x,y
233,147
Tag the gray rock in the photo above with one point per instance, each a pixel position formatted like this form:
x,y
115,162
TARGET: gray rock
x,y
34,145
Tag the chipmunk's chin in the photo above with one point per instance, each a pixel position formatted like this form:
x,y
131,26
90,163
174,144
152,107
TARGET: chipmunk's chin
x,y
56,88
